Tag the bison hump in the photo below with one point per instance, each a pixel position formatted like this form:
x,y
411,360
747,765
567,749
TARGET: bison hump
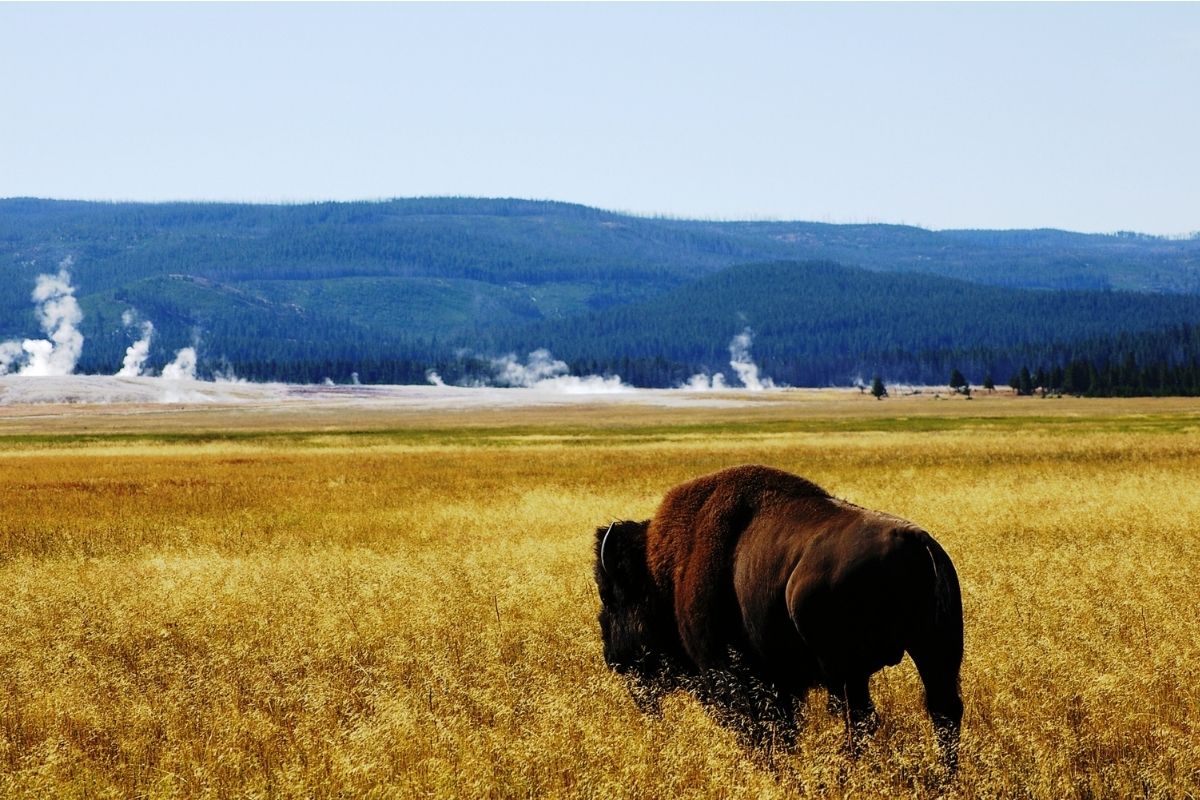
x,y
698,523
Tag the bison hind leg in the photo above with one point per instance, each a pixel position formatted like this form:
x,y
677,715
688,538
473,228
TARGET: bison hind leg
x,y
939,673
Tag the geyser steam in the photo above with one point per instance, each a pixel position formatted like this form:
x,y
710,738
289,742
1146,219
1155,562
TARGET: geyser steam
x,y
703,382
743,364
137,353
59,315
541,370
183,368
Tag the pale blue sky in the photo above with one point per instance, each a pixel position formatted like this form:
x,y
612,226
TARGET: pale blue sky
x,y
1077,116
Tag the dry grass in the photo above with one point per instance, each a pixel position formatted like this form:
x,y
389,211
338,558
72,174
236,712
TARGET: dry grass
x,y
410,612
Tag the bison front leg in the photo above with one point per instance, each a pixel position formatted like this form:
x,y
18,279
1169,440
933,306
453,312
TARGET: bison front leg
x,y
759,711
646,694
775,719
654,680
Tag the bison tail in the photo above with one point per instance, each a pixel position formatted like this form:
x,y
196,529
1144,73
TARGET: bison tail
x,y
947,619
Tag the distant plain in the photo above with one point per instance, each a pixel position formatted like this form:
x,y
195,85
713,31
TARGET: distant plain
x,y
327,599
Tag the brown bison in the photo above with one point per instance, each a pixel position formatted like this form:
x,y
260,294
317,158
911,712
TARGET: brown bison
x,y
755,582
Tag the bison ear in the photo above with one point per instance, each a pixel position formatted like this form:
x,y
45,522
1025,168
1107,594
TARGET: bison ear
x,y
621,547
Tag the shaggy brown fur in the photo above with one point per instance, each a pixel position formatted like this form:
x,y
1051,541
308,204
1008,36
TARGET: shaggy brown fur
x,y
761,575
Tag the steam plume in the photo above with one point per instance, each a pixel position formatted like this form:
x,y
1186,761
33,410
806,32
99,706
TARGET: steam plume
x,y
703,382
58,314
743,364
136,353
183,368
540,366
542,370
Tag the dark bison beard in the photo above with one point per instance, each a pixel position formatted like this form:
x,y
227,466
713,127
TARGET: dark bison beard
x,y
636,627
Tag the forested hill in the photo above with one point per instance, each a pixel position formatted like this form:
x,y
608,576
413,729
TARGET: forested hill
x,y
388,289
819,323
509,241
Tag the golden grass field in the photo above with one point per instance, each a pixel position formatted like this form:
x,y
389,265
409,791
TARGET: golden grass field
x,y
213,603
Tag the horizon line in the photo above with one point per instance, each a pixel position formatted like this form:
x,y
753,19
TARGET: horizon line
x,y
650,215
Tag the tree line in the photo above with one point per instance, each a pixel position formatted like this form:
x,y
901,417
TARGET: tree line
x,y
1127,378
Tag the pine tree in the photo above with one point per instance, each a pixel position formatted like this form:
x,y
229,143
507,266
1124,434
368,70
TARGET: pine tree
x,y
1024,382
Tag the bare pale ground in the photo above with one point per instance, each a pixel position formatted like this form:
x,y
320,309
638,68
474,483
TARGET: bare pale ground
x,y
398,602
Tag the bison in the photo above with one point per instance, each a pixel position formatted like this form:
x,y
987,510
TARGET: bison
x,y
753,579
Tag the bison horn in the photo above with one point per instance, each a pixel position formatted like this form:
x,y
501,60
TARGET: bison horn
x,y
603,543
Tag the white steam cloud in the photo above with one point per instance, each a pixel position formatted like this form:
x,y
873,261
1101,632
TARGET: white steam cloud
x,y
743,364
542,370
183,367
137,353
177,379
743,367
59,315
702,382
540,366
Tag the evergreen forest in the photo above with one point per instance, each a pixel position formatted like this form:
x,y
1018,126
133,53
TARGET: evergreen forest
x,y
387,291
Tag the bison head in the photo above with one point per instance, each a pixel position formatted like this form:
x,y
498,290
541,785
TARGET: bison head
x,y
631,621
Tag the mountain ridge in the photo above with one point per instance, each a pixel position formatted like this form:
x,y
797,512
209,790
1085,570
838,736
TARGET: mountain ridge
x,y
303,291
